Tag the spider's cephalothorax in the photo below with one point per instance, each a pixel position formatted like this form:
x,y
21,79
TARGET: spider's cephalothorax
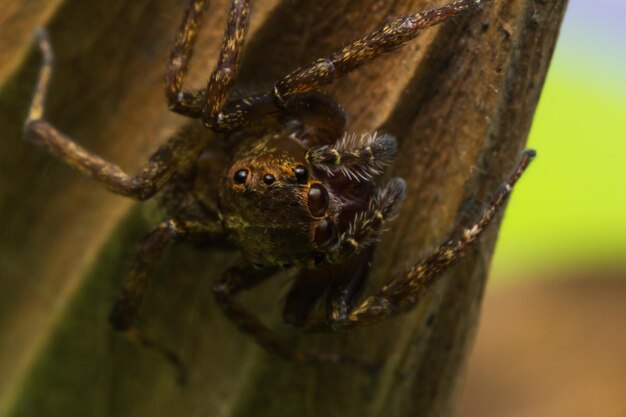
x,y
284,204
298,191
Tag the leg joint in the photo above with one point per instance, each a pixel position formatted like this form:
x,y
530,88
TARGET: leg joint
x,y
142,190
303,80
32,130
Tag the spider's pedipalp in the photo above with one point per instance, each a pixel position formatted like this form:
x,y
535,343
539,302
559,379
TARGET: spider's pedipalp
x,y
356,157
389,199
367,225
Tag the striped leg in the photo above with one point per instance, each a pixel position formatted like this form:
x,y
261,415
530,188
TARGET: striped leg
x,y
181,150
364,50
404,291
124,312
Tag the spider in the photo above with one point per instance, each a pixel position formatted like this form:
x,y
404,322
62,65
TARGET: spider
x,y
298,192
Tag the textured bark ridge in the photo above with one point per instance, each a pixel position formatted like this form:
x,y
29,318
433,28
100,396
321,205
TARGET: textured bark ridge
x,y
460,100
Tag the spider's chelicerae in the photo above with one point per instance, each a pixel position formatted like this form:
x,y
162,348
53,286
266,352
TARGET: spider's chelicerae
x,y
298,192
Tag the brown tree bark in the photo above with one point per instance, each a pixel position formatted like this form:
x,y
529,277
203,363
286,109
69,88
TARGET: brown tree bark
x,y
460,99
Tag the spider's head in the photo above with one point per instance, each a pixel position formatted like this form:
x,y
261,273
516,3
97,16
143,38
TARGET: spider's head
x,y
275,208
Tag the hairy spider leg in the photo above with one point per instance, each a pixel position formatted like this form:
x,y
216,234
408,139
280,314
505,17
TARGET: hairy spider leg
x,y
206,104
211,103
245,276
186,103
180,150
225,72
288,93
405,291
385,39
124,312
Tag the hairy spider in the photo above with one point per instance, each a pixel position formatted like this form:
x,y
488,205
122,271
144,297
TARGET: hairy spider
x,y
298,192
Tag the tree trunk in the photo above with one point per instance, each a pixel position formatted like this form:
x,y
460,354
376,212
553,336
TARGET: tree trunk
x,y
460,100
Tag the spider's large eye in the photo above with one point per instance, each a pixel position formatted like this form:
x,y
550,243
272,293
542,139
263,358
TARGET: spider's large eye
x,y
318,200
325,233
302,175
241,176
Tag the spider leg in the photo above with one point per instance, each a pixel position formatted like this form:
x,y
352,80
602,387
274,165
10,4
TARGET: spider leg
x,y
239,278
367,225
371,46
404,291
211,104
124,312
178,151
185,103
206,104
225,72
356,157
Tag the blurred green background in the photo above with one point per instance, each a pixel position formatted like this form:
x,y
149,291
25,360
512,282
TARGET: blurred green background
x,y
569,211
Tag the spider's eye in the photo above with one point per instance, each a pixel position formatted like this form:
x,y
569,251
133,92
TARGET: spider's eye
x,y
318,200
241,176
269,179
302,175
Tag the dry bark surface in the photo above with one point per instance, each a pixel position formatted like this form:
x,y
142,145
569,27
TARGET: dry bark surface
x,y
460,100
